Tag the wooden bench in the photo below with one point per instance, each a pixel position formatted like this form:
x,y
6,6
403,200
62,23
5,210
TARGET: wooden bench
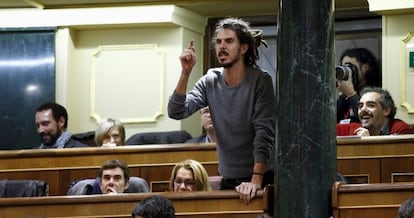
x,y
59,167
369,200
186,204
376,159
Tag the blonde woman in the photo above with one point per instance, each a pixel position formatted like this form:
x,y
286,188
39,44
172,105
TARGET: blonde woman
x,y
110,132
189,175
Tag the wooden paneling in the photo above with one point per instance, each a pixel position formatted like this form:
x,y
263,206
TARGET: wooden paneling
x,y
186,204
393,168
360,170
58,167
369,200
375,159
360,160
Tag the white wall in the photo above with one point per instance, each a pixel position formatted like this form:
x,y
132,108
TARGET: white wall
x,y
126,73
397,77
119,62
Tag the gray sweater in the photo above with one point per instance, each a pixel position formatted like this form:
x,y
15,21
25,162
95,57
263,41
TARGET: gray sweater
x,y
243,117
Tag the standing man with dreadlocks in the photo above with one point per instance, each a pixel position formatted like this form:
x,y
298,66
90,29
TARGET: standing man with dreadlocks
x,y
242,106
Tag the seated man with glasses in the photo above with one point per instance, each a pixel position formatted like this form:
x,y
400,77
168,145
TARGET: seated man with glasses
x,y
189,175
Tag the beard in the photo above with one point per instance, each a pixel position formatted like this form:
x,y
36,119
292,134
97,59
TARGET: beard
x,y
50,138
366,119
366,125
221,63
228,64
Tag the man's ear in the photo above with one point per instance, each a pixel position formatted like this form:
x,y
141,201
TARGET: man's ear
x,y
365,68
126,186
61,122
244,47
387,111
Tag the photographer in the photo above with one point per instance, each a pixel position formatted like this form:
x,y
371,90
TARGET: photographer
x,y
364,71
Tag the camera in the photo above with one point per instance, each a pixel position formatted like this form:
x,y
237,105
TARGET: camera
x,y
343,71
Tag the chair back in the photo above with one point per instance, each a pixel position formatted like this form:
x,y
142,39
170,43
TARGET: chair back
x,y
87,138
167,137
23,188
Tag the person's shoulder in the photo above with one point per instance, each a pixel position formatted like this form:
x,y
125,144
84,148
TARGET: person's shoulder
x,y
212,75
400,127
400,124
398,121
214,72
258,70
258,73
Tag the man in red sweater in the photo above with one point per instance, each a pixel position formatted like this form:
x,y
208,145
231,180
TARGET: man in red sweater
x,y
376,111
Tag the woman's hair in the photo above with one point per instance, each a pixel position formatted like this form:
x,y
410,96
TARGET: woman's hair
x,y
105,127
200,175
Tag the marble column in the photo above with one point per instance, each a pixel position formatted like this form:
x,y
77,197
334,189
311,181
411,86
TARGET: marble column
x,y
306,109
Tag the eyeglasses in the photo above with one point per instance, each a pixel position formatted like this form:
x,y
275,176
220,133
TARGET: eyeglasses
x,y
187,183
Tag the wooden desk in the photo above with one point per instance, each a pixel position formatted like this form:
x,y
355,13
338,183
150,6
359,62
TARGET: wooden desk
x,y
376,159
58,167
186,204
372,159
369,200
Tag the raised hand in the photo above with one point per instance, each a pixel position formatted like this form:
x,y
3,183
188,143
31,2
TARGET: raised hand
x,y
188,58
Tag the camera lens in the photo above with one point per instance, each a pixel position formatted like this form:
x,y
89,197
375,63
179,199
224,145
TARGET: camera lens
x,y
342,73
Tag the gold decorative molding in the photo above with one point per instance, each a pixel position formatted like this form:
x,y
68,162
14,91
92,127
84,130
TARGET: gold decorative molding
x,y
407,45
127,83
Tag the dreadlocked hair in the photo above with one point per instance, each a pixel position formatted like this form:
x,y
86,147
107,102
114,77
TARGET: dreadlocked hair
x,y
258,39
252,37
